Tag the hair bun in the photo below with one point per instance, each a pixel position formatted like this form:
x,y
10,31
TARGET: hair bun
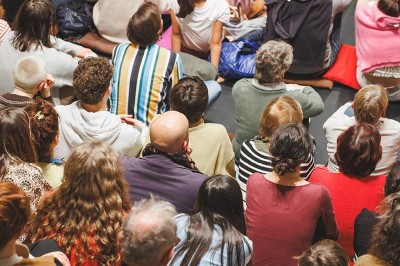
x,y
281,166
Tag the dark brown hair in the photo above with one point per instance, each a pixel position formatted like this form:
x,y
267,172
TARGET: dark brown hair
x,y
16,144
385,242
392,184
44,127
389,7
185,8
219,203
325,253
189,97
33,25
87,210
290,146
278,112
91,79
14,211
145,25
358,150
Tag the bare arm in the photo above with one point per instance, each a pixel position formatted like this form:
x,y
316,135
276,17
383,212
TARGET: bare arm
x,y
216,43
176,37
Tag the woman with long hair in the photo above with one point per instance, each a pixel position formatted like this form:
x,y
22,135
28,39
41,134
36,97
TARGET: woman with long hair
x,y
84,215
34,33
215,235
385,244
284,210
44,127
17,155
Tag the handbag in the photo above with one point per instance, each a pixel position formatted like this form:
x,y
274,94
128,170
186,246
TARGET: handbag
x,y
74,18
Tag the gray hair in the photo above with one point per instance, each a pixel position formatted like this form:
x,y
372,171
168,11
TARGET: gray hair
x,y
148,232
273,59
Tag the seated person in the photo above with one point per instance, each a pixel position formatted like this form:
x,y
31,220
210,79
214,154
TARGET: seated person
x,y
197,27
85,214
251,95
34,34
325,253
149,233
212,148
377,20
166,169
88,118
369,106
30,77
385,244
367,219
215,234
44,124
14,215
311,27
254,153
144,72
283,209
353,189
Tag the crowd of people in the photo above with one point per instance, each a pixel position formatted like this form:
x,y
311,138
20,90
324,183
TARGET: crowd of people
x,y
106,158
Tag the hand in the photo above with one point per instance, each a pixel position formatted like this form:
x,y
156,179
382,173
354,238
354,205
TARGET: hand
x,y
85,52
46,86
61,257
131,121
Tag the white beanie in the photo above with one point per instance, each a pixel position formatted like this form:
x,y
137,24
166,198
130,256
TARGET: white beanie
x,y
28,73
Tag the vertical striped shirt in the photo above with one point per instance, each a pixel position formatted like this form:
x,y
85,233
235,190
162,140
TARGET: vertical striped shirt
x,y
254,159
142,80
4,28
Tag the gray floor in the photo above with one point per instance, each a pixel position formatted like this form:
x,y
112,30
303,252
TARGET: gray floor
x,y
222,111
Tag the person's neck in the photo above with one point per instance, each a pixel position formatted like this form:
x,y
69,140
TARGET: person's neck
x,y
288,179
92,108
195,124
8,250
199,3
22,93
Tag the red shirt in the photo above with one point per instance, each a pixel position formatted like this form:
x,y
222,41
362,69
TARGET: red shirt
x,y
281,220
349,196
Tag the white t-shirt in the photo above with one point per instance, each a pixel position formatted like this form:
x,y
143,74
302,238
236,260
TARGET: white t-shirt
x,y
196,28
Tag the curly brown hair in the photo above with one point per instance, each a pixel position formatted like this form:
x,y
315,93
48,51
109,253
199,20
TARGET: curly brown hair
x,y
85,214
91,79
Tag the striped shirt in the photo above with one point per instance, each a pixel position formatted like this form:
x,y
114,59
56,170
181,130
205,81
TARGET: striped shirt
x,y
255,157
143,77
4,28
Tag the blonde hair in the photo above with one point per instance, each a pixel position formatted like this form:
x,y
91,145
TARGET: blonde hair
x,y
370,104
278,112
273,59
87,210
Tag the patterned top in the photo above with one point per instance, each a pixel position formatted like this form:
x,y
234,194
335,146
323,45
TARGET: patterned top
x,y
143,77
255,158
4,28
28,177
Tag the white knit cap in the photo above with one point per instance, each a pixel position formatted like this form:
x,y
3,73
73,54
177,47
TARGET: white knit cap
x,y
29,72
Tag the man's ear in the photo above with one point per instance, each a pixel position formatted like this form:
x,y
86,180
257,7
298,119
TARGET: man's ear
x,y
108,91
40,86
185,145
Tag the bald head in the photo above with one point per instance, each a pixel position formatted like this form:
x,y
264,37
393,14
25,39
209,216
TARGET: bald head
x,y
169,132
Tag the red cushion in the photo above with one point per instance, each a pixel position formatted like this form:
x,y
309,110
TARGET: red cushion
x,y
344,69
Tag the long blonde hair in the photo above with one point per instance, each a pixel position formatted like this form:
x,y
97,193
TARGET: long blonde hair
x,y
87,210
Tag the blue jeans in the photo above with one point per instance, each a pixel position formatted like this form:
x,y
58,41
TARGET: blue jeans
x,y
214,91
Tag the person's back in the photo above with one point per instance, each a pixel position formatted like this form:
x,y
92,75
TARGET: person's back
x,y
311,27
144,72
88,118
283,210
212,148
369,106
166,170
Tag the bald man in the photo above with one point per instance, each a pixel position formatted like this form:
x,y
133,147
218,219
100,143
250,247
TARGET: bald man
x,y
166,169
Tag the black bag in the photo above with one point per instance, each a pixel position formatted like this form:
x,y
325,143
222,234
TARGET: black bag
x,y
74,18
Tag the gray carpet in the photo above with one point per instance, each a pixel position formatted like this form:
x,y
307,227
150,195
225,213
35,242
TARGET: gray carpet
x,y
222,111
